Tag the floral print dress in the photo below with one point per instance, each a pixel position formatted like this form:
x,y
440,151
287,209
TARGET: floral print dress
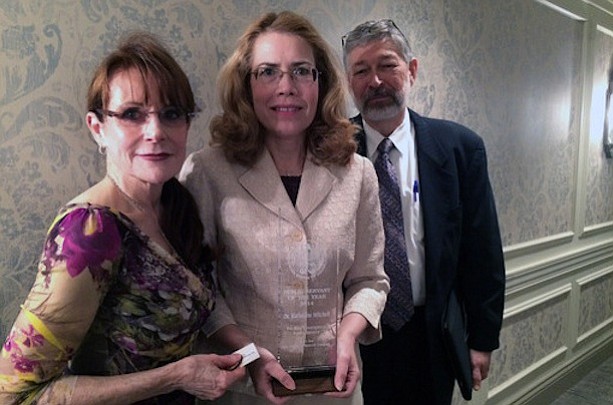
x,y
107,300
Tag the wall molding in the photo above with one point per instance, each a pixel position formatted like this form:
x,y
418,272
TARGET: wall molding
x,y
512,387
560,379
593,277
537,301
593,230
593,334
532,274
537,245
605,6
523,382
569,8
600,330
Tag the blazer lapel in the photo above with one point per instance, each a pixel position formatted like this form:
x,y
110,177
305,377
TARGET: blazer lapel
x,y
315,185
263,182
360,135
435,179
436,185
427,146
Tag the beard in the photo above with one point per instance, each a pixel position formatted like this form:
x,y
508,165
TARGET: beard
x,y
379,111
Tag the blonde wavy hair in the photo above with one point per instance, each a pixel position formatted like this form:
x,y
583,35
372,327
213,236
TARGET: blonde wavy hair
x,y
330,137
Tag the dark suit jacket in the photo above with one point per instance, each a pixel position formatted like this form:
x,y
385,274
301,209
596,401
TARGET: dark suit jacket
x,y
463,249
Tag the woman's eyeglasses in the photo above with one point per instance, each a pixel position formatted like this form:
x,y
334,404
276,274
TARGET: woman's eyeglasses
x,y
273,74
137,116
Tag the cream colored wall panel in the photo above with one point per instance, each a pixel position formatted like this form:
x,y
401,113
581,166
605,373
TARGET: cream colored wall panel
x,y
533,337
528,95
520,385
595,303
599,182
540,269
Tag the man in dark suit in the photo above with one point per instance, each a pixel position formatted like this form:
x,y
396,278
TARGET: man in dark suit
x,y
449,227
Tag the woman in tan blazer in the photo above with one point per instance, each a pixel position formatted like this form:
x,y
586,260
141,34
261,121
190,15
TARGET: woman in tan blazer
x,y
293,211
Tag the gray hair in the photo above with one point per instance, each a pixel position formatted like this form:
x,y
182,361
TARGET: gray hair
x,y
376,30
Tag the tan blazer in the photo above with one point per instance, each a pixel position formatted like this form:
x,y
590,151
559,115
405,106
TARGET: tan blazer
x,y
265,241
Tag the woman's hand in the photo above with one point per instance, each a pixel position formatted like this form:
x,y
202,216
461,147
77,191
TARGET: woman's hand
x,y
347,369
208,376
264,370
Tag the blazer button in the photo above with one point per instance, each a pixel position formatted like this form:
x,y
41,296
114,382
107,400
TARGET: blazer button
x,y
297,236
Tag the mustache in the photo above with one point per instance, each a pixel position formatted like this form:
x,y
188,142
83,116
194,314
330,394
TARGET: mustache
x,y
378,92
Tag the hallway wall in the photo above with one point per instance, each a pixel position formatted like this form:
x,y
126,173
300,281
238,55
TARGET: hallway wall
x,y
530,76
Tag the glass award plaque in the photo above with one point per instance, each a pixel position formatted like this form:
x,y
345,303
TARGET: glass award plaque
x,y
307,317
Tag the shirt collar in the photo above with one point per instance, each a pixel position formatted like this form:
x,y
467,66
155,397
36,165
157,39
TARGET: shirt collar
x,y
401,137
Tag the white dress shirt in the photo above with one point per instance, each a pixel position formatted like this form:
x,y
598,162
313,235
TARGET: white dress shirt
x,y
404,159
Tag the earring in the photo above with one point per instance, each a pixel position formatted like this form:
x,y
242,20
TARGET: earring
x,y
101,149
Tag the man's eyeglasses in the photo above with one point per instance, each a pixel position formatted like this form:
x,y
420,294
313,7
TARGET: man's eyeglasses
x,y
273,74
137,116
385,24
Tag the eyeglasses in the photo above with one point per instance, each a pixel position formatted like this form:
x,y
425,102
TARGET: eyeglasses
x,y
273,74
383,25
137,116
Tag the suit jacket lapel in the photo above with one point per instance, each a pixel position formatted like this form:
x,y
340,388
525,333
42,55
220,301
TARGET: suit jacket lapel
x,y
263,182
360,135
315,185
428,149
436,183
436,180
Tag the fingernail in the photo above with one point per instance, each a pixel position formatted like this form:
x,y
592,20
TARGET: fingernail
x,y
238,363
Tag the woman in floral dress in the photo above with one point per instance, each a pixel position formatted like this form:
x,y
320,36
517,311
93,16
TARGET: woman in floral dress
x,y
123,283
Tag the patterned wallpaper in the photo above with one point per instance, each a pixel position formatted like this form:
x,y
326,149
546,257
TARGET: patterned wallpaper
x,y
530,336
600,171
511,70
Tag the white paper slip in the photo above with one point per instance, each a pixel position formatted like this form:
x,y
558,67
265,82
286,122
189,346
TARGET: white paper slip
x,y
249,353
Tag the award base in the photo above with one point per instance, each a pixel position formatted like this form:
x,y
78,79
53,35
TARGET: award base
x,y
309,380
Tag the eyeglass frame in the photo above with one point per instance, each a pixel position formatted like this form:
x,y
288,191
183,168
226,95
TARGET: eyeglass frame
x,y
133,124
316,73
393,32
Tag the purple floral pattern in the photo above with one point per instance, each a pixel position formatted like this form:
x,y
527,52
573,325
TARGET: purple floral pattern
x,y
88,241
31,337
127,303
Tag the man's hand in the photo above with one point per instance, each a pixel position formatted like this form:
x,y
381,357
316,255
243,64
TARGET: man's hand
x,y
481,367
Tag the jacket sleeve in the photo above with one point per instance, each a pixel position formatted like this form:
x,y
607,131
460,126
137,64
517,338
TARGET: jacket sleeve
x,y
194,178
481,261
80,259
366,284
